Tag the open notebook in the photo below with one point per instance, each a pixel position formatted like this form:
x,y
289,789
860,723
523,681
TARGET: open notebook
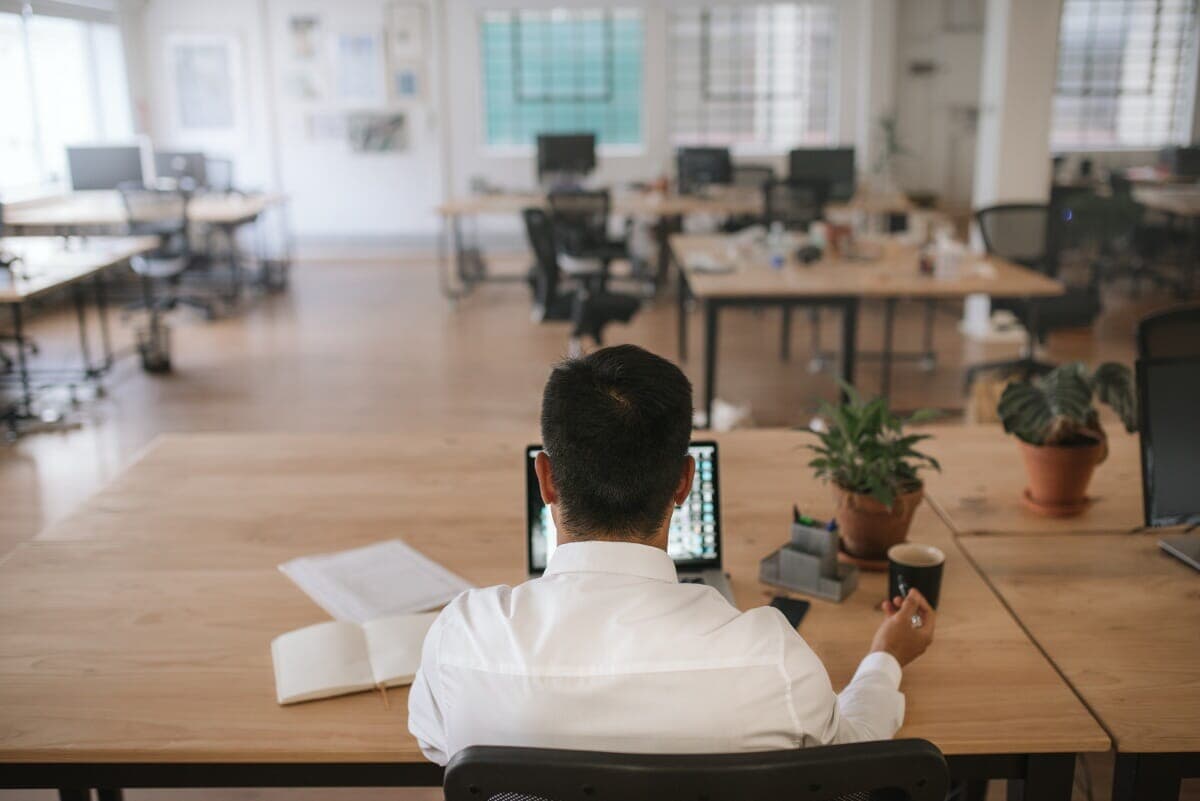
x,y
338,658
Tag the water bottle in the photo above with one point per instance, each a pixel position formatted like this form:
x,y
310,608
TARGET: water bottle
x,y
775,246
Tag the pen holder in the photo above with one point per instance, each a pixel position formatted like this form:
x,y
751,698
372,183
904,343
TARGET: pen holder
x,y
808,563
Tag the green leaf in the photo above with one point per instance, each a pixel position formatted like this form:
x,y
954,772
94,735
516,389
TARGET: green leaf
x,y
1113,384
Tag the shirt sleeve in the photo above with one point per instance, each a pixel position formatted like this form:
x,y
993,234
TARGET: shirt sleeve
x,y
425,721
871,707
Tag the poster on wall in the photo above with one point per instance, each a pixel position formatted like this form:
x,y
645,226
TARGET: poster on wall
x,y
304,37
406,82
405,27
203,72
358,68
372,132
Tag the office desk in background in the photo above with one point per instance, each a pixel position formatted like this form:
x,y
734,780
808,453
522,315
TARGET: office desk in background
x,y
1121,620
983,477
836,283
665,210
51,263
149,663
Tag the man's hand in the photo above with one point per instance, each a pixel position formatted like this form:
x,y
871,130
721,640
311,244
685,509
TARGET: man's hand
x,y
898,634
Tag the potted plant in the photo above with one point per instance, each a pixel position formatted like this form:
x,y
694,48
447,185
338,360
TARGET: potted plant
x,y
867,456
1059,433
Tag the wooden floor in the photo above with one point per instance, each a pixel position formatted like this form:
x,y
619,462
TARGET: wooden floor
x,y
371,346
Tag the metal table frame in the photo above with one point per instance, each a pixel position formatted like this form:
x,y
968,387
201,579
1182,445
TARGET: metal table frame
x,y
1031,777
1152,776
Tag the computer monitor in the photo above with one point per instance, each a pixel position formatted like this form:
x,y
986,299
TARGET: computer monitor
x,y
1168,397
565,154
694,540
1181,161
698,167
107,166
182,164
832,165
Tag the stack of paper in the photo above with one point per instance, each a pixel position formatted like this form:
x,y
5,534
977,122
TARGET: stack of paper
x,y
387,578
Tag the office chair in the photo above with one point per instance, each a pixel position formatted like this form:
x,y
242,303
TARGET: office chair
x,y
797,205
891,770
161,213
581,299
1170,334
753,177
1031,234
1132,242
580,219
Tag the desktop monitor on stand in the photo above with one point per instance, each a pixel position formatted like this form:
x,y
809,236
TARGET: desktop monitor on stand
x,y
563,160
698,167
93,167
834,166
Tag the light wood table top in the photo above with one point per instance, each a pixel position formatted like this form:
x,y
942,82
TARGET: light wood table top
x,y
49,263
983,476
894,274
1119,618
643,204
1182,200
103,209
139,627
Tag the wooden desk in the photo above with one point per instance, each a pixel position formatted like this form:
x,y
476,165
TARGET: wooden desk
x,y
136,631
666,210
1121,621
47,264
837,283
103,210
983,476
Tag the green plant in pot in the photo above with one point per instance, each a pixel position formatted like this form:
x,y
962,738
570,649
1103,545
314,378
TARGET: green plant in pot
x,y
1056,424
870,460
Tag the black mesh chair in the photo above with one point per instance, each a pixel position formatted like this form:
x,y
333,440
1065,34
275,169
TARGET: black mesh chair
x,y
895,770
753,176
1170,334
1032,234
581,300
1133,243
580,219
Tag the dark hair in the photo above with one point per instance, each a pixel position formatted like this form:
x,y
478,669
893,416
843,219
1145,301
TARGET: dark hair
x,y
616,426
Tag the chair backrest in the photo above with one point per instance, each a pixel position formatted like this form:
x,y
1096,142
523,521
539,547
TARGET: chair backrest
x,y
896,770
796,204
698,167
1170,334
1019,232
753,176
580,218
540,231
219,174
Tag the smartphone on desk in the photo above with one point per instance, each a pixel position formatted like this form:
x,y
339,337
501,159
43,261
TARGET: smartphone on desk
x,y
793,609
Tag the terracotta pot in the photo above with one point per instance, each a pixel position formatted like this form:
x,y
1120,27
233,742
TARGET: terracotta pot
x,y
867,527
1059,476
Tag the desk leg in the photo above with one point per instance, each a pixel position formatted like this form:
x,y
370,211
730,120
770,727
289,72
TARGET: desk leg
x,y
74,794
885,356
1048,777
85,348
109,794
102,313
26,406
711,312
1157,776
682,316
849,342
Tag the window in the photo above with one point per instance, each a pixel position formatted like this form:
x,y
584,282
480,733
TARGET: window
x,y
64,82
562,71
1126,74
758,76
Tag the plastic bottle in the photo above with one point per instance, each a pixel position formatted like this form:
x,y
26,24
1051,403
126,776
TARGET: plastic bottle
x,y
775,246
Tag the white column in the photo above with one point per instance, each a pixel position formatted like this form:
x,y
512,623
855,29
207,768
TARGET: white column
x,y
1020,59
876,91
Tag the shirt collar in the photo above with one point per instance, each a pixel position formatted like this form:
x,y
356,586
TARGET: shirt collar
x,y
604,556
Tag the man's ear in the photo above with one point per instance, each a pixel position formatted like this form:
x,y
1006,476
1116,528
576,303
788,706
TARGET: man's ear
x,y
685,481
541,466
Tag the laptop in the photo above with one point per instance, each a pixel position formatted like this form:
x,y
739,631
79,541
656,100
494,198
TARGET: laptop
x,y
1168,394
694,541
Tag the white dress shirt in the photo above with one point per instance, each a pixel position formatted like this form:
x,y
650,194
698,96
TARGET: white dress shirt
x,y
609,652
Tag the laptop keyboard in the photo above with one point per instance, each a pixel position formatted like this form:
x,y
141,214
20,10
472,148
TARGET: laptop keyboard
x,y
691,580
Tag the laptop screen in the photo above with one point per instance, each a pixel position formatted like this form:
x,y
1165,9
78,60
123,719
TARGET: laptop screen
x,y
1168,396
694,540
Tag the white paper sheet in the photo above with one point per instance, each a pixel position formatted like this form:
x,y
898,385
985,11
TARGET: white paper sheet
x,y
380,580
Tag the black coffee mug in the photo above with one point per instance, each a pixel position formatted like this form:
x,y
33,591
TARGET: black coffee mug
x,y
915,566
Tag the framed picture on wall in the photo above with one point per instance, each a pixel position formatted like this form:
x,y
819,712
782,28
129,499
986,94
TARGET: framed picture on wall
x,y
204,81
358,68
407,82
405,24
